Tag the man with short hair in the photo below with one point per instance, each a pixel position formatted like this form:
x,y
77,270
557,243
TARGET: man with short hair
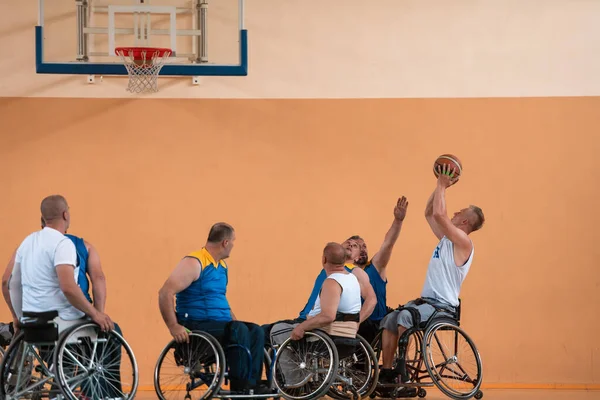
x,y
375,269
199,283
448,268
42,274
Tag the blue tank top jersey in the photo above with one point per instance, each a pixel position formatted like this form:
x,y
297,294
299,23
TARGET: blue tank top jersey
x,y
206,298
316,289
379,287
82,261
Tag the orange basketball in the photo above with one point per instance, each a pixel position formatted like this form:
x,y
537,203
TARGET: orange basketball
x,y
448,159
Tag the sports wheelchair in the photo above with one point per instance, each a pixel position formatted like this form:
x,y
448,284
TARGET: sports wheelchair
x,y
80,363
436,352
197,370
319,365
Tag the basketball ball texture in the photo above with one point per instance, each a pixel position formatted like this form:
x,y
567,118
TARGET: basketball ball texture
x,y
448,159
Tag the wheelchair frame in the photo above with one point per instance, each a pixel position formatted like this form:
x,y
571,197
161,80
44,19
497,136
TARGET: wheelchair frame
x,y
40,341
335,374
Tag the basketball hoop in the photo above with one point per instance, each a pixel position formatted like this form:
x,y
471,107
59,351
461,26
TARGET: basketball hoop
x,y
143,66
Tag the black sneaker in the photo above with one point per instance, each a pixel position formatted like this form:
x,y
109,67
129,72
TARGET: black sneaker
x,y
387,375
261,388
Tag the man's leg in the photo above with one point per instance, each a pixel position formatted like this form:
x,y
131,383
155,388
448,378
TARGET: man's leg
x,y
392,334
389,340
257,345
268,327
368,330
238,343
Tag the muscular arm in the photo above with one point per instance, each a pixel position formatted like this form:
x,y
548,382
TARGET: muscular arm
x,y
382,258
460,240
430,220
5,289
72,291
185,273
366,292
97,277
331,292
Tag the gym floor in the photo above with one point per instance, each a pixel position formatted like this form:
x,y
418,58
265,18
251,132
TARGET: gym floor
x,y
494,394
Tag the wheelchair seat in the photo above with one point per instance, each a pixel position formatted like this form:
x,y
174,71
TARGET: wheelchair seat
x,y
39,327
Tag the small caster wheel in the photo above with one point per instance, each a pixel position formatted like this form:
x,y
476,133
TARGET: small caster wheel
x,y
422,393
372,395
479,395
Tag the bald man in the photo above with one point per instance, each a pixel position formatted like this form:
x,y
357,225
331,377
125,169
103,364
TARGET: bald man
x,y
337,308
42,274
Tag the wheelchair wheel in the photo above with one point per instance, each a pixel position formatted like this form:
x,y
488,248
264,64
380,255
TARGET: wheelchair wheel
x,y
25,371
193,370
452,360
362,366
306,368
413,356
94,364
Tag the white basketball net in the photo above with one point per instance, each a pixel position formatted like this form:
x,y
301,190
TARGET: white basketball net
x,y
143,74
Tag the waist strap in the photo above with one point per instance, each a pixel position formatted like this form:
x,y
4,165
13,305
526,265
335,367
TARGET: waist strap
x,y
343,317
436,304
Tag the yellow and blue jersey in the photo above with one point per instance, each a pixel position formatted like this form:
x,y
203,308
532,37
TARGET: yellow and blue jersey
x,y
206,298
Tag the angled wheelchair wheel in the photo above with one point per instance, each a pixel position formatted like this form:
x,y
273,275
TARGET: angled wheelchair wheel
x,y
91,364
306,368
193,370
25,371
452,360
413,356
362,368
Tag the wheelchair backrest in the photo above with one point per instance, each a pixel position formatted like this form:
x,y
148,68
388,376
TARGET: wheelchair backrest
x,y
39,327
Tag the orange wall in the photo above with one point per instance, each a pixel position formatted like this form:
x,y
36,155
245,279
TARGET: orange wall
x,y
146,178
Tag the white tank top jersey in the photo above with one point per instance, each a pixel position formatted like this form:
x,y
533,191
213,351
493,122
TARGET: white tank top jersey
x,y
38,256
444,278
350,301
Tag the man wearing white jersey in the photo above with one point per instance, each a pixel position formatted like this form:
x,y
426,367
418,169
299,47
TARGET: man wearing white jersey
x,y
337,308
44,274
448,267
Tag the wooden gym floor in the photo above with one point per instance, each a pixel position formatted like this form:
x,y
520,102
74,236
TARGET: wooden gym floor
x,y
488,394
